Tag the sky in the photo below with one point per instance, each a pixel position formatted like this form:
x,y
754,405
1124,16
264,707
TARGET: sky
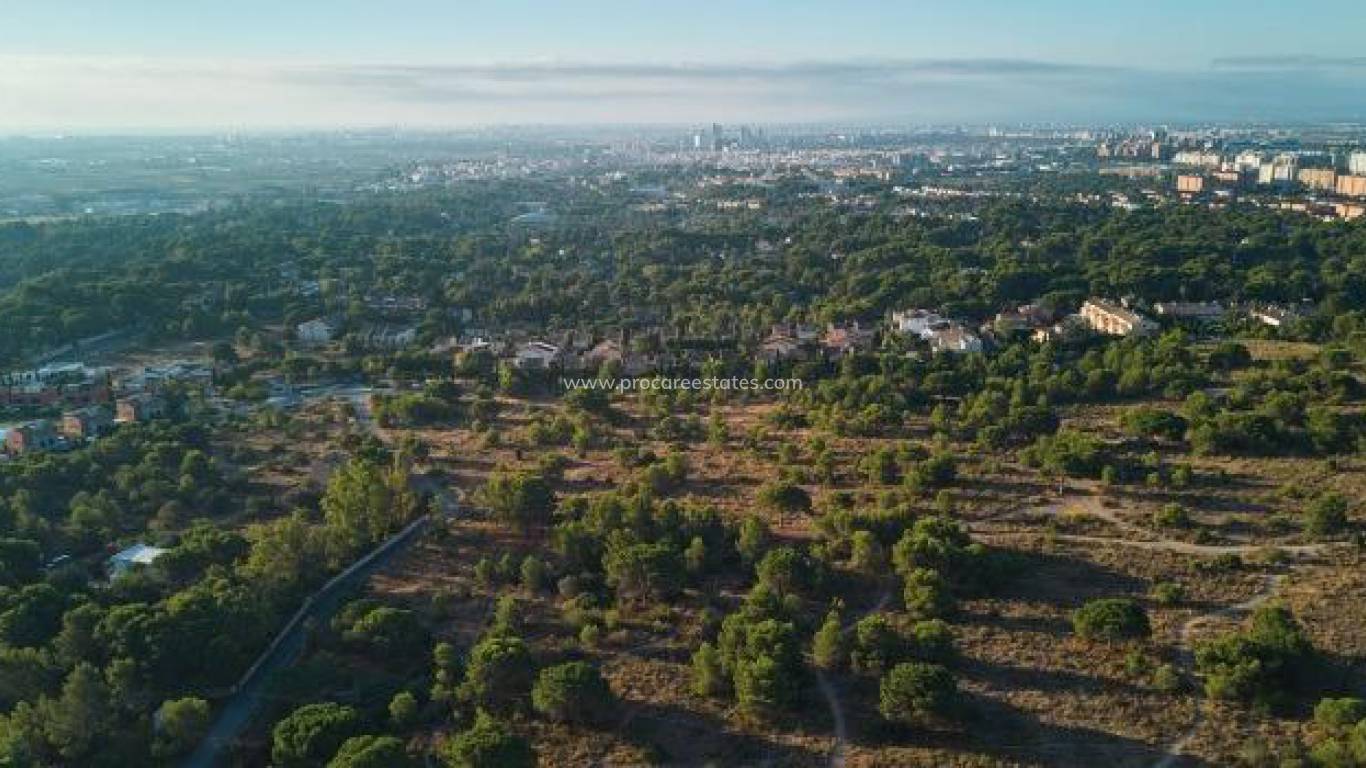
x,y
130,65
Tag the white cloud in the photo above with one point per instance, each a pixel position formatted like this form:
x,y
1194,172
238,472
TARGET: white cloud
x,y
88,93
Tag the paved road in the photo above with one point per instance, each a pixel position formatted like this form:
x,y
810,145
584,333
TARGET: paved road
x,y
239,708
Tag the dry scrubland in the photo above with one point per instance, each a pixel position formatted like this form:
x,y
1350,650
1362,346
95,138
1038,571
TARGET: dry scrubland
x,y
1038,694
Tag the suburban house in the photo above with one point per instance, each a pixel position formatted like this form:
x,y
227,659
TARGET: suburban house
x,y
138,555
776,349
955,339
537,355
32,437
1115,320
917,322
85,423
1025,317
139,407
317,331
847,339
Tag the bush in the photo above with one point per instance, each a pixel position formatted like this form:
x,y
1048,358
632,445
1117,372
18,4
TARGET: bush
x,y
1111,619
572,692
402,710
500,672
1339,713
1167,593
1327,515
1261,664
489,743
311,734
371,752
1171,516
913,693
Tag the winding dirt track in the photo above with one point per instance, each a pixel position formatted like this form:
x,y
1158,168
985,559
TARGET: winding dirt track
x,y
1177,748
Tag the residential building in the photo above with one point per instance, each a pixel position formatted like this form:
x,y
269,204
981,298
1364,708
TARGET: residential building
x,y
32,437
85,423
1022,318
1351,186
1189,310
1190,184
1272,314
138,408
1321,179
917,322
1114,320
137,556
955,339
847,339
317,331
537,355
1356,163
386,337
71,384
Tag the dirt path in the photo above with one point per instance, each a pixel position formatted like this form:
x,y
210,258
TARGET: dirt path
x,y
1177,749
1090,505
832,696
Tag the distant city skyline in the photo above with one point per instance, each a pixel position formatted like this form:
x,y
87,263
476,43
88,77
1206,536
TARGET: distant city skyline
x,y
90,66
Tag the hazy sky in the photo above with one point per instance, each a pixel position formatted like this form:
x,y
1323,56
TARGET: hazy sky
x,y
162,64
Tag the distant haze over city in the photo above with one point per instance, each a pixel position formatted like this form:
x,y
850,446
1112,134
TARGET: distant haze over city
x,y
146,65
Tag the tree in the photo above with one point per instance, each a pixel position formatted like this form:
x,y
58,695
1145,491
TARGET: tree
x,y
1326,515
403,710
927,595
574,691
877,645
81,715
519,499
181,723
827,647
489,743
784,498
783,570
763,687
1111,619
500,672
642,571
20,562
364,503
371,752
753,539
914,692
1261,664
311,734
708,677
533,573
695,556
866,554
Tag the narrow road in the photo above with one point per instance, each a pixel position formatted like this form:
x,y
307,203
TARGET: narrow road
x,y
246,700
1177,749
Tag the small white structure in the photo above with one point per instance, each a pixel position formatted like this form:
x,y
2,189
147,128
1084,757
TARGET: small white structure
x,y
317,331
918,322
537,355
134,556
